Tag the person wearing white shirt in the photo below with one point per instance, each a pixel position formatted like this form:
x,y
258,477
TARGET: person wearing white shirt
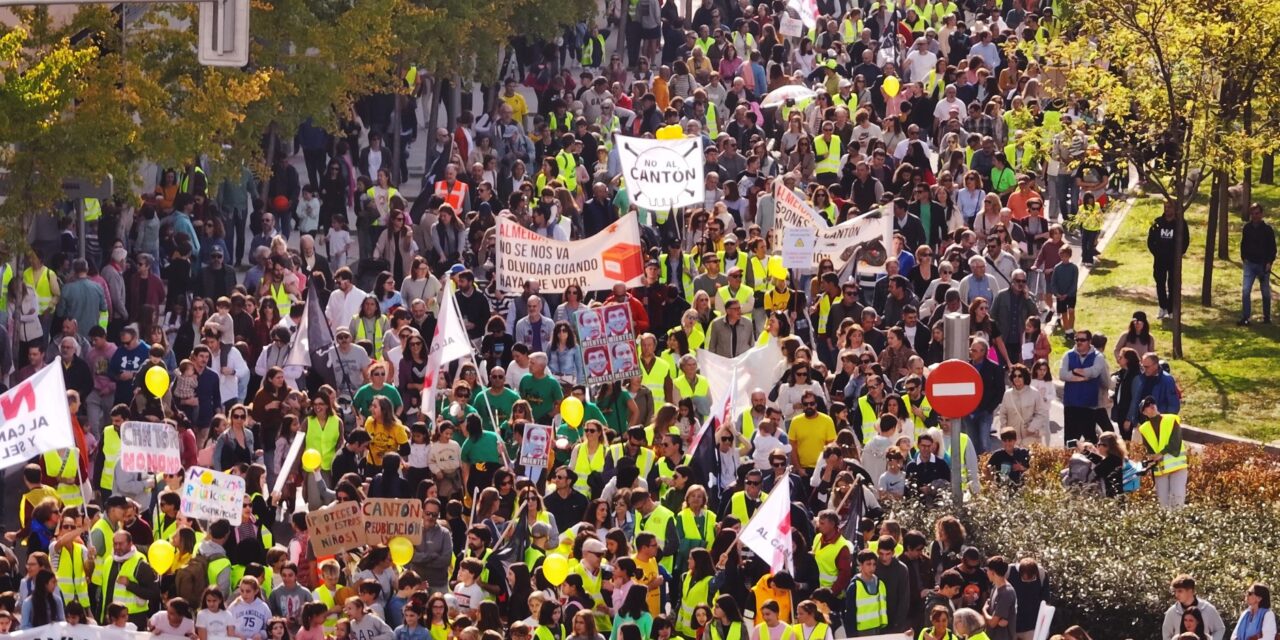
x,y
233,371
345,301
947,105
987,49
920,61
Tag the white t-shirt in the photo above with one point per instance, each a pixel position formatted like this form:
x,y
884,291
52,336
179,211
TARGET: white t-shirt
x,y
166,631
468,597
215,624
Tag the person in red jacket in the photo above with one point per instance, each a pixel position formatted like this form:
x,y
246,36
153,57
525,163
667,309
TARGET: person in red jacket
x,y
639,316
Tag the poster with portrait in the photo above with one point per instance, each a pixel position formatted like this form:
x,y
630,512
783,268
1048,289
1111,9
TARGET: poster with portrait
x,y
608,343
535,448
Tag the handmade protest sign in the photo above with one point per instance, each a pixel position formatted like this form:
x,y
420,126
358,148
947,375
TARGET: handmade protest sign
x,y
662,174
613,256
336,528
608,344
213,495
387,518
149,447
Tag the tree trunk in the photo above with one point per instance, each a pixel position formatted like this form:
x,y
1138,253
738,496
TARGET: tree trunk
x,y
1210,237
1247,180
455,106
1224,214
433,119
271,162
1268,169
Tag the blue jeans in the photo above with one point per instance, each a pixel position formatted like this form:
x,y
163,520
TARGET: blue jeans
x,y
1068,195
1256,271
977,426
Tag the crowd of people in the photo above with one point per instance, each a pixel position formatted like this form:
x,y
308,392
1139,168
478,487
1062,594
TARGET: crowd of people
x,y
940,113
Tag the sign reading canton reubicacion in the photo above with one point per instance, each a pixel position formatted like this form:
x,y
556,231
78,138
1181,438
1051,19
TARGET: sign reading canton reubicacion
x,y
211,495
662,174
613,256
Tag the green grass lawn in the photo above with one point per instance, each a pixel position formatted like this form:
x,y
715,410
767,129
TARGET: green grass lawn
x,y
1227,375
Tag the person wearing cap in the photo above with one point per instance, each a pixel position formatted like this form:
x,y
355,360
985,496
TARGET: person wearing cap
x,y
347,362
590,569
1162,435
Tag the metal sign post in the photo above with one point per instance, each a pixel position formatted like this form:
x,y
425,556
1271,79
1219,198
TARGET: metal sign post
x,y
955,346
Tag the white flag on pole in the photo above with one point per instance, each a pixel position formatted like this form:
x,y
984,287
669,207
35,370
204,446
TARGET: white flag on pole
x,y
758,367
768,533
36,418
450,343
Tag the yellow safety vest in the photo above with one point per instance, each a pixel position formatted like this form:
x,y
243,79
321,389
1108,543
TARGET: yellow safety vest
x,y
735,631
43,284
121,593
1169,463
185,185
377,331
934,86
102,556
162,530
691,595
560,124
383,206
586,58
924,404
704,44
325,597
689,268
92,209
65,469
71,578
870,419
567,166
689,527
788,631
713,126
699,390
871,610
6,275
324,438
824,312
828,154
594,587
656,523
850,103
744,294
964,454
655,377
738,506
585,465
850,31
110,457
607,127
644,463
826,556
282,298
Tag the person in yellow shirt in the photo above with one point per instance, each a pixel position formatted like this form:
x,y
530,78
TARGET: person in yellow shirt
x,y
809,433
386,432
646,559
515,100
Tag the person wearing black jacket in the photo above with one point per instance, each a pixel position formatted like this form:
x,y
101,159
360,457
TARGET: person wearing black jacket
x,y
978,424
907,224
931,213
1257,253
1160,242
351,459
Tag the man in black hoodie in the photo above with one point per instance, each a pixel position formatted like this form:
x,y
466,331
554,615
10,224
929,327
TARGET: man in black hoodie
x,y
1257,253
1160,242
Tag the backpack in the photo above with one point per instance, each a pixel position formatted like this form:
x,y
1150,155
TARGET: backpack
x,y
190,581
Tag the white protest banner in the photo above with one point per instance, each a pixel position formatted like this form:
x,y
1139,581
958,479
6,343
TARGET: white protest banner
x,y
791,27
613,256
36,418
867,236
1044,619
335,528
806,9
387,518
798,247
760,367
662,174
211,495
608,344
64,631
768,533
149,447
290,458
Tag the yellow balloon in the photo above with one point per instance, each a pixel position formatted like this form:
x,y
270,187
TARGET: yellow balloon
x,y
571,409
669,132
157,381
891,86
401,550
160,555
207,477
310,460
555,568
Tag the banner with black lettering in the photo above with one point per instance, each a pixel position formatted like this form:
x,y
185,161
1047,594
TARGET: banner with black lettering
x,y
613,256
866,237
662,174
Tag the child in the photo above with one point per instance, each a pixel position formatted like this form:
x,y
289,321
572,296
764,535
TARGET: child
x,y
327,593
277,629
406,583
6,622
411,629
419,445
307,214
893,483
214,618
184,388
222,317
313,621
339,242
1090,220
1062,284
343,630
466,592
866,613
173,320
370,593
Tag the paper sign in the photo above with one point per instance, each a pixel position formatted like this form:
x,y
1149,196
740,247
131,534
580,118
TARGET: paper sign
x,y
791,27
387,518
535,449
149,447
1044,618
798,247
662,174
289,460
608,344
36,418
213,495
64,631
612,256
336,528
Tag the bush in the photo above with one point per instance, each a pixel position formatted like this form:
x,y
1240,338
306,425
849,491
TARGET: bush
x,y
1110,560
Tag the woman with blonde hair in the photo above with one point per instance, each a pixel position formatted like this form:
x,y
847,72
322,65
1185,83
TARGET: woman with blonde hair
x,y
696,525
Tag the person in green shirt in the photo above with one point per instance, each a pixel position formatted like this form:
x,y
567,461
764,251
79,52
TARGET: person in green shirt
x,y
376,387
482,455
619,409
519,411
495,402
541,390
457,407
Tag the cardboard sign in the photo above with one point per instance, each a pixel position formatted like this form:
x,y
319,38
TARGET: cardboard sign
x,y
608,344
149,447
613,256
798,247
336,528
290,459
213,495
662,174
387,518
791,27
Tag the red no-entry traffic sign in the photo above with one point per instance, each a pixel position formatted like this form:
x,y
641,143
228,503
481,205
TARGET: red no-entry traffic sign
x,y
954,389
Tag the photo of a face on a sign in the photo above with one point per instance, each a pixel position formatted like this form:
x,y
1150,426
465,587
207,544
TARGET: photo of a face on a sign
x,y
617,321
623,358
597,361
590,325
